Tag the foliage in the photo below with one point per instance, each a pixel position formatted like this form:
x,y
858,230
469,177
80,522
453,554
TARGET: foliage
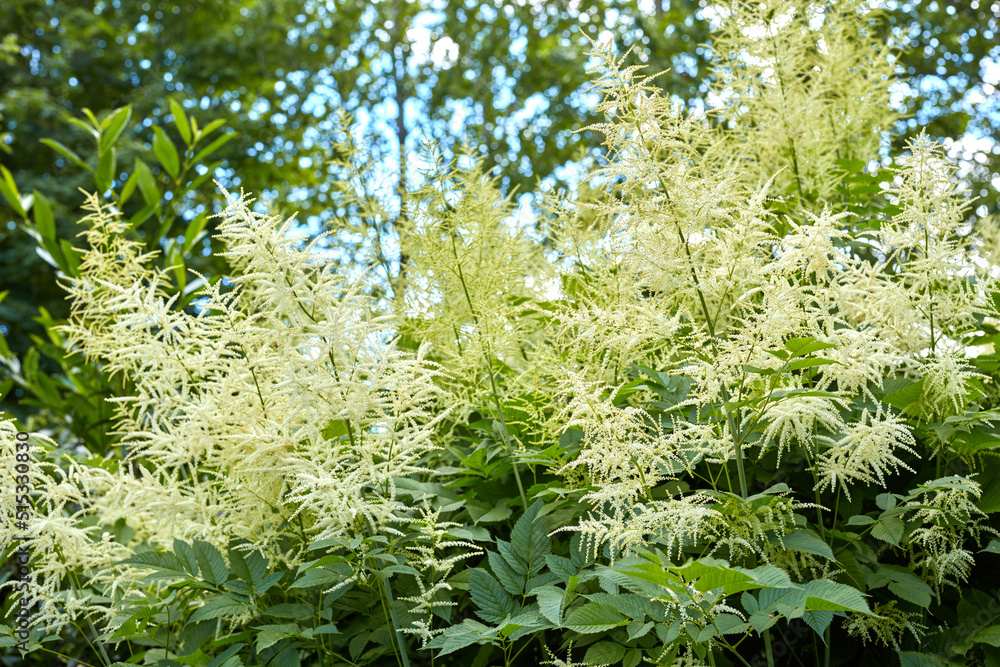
x,y
721,404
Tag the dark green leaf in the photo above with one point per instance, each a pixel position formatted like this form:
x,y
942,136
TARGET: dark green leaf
x,y
493,602
594,617
187,556
835,597
530,538
807,542
604,653
217,607
213,565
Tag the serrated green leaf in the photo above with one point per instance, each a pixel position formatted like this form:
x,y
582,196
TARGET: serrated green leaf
x,y
885,501
297,610
810,362
819,621
509,579
550,602
316,577
213,565
167,565
835,597
989,635
729,624
788,602
635,607
850,166
269,635
513,558
288,657
457,637
594,617
530,538
889,529
903,399
807,542
907,585
562,567
914,659
250,567
265,584
499,512
800,347
493,602
217,607
186,554
709,574
637,629
992,548
604,653
220,659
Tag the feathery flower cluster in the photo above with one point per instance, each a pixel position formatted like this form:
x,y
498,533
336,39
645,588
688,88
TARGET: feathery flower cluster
x,y
732,279
887,625
434,569
866,452
948,517
275,397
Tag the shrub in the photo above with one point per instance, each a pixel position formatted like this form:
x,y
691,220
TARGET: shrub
x,y
730,388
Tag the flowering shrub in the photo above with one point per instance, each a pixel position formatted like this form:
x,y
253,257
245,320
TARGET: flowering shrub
x,y
726,397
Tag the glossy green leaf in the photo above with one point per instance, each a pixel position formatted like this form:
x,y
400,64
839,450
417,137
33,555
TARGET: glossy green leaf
x,y
181,121
106,170
44,220
113,126
212,147
9,191
166,152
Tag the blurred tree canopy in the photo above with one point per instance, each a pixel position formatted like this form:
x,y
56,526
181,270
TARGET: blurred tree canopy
x,y
507,76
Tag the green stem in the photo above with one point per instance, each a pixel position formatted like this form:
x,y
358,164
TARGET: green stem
x,y
493,382
767,648
68,659
395,623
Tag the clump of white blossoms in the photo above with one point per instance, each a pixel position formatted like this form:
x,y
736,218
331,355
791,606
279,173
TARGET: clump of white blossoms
x,y
279,398
783,308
